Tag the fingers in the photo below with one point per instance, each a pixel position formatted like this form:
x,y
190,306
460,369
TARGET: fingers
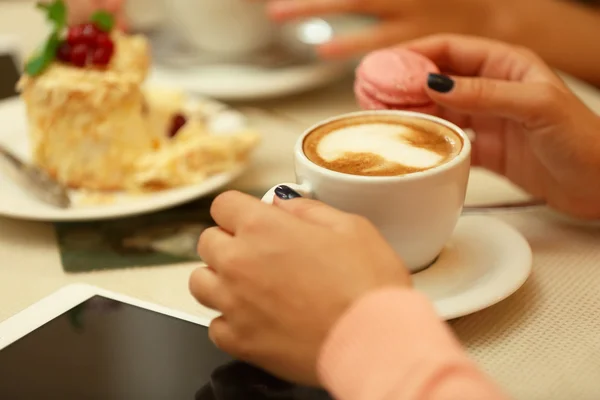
x,y
205,283
81,10
206,287
533,104
461,55
238,342
283,10
221,334
382,35
232,210
114,6
313,211
459,119
213,244
472,56
489,148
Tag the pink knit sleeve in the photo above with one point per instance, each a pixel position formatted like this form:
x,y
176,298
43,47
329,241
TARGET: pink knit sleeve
x,y
391,345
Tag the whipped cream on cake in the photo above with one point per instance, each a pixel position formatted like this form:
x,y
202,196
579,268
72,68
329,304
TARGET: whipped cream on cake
x,y
93,125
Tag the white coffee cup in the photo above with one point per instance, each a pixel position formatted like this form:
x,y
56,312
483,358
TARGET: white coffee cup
x,y
416,213
227,27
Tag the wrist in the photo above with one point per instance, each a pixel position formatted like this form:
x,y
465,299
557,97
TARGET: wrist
x,y
575,165
390,339
388,326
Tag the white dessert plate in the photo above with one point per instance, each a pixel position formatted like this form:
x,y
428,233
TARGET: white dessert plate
x,y
15,202
485,262
242,82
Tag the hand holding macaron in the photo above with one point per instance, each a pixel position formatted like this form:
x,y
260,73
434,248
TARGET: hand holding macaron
x,y
529,126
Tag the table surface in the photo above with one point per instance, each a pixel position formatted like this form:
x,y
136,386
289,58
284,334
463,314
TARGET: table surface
x,y
543,342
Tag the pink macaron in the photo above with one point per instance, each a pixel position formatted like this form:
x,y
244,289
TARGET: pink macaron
x,y
394,79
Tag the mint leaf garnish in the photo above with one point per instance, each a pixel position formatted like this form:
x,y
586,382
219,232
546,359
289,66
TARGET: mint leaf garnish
x,y
36,65
44,57
56,13
104,20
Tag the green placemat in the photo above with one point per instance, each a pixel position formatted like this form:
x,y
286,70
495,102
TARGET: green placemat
x,y
165,237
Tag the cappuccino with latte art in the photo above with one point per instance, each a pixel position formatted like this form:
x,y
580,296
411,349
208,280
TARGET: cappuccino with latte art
x,y
381,145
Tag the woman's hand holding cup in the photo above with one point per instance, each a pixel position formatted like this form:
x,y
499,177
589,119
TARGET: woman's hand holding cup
x,y
282,275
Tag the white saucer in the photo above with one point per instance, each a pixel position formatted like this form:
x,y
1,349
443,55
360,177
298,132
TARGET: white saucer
x,y
17,203
241,82
486,261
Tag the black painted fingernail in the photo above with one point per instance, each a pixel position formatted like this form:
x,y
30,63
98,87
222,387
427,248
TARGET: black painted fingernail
x,y
440,83
286,192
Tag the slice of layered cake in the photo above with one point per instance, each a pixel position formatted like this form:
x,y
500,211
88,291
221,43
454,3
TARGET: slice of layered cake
x,y
92,124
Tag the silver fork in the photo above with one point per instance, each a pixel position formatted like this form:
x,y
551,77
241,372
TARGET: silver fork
x,y
36,181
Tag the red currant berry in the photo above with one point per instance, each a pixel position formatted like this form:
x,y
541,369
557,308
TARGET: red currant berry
x,y
104,41
63,53
75,34
79,55
177,123
89,34
101,56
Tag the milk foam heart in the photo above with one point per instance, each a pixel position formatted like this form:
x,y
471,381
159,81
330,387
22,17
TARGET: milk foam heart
x,y
385,140
381,146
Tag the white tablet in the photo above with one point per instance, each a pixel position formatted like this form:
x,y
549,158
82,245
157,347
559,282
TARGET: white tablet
x,y
86,343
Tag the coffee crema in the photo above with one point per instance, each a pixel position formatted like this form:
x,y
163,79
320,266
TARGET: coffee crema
x,y
381,145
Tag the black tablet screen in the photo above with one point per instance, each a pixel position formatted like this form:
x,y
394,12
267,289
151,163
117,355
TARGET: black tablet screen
x,y
107,350
9,75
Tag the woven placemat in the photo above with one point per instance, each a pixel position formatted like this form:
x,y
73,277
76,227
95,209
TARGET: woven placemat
x,y
161,238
